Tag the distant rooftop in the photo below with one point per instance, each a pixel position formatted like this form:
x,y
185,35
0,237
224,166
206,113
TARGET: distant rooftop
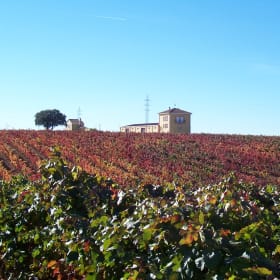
x,y
142,124
175,111
74,120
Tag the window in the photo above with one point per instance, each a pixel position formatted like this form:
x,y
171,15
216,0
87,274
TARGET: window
x,y
165,118
165,125
180,119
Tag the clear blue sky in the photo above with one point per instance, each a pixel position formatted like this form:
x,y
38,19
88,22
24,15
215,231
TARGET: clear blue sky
x,y
218,59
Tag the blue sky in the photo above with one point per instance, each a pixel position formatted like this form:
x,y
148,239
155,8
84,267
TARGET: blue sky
x,y
218,59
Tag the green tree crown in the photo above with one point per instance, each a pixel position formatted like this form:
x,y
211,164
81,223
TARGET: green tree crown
x,y
50,118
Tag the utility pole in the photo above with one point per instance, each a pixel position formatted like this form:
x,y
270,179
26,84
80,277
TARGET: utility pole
x,y
79,113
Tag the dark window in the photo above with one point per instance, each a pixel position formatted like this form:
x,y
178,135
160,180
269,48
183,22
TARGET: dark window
x,y
180,119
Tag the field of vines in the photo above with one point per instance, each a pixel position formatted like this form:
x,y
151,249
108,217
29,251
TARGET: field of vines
x,y
197,159
99,205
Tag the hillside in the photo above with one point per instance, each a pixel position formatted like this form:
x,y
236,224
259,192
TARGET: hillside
x,y
196,159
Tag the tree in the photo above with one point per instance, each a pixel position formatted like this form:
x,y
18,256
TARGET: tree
x,y
50,118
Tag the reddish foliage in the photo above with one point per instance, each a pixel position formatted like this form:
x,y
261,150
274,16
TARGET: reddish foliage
x,y
146,158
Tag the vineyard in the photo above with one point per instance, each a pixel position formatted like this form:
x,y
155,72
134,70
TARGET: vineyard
x,y
100,205
149,158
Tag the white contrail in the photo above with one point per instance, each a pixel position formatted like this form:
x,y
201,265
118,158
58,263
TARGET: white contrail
x,y
112,18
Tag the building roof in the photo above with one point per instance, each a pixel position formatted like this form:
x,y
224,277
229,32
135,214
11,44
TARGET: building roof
x,y
174,111
142,124
74,120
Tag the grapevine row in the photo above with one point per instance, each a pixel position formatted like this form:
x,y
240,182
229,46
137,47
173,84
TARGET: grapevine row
x,y
196,159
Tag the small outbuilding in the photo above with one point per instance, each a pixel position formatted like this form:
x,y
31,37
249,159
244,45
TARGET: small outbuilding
x,y
75,124
141,128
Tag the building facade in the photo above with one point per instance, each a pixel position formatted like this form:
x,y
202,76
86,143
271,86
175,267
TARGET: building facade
x,y
170,121
175,121
75,124
141,128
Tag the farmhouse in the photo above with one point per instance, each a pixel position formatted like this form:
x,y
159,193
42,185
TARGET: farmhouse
x,y
170,121
75,124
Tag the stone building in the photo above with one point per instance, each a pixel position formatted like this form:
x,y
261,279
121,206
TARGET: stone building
x,y
75,124
170,121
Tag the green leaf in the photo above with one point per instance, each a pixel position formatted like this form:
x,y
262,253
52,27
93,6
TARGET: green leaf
x,y
91,276
99,221
201,218
147,234
106,244
262,271
269,189
277,250
36,237
21,259
177,263
35,253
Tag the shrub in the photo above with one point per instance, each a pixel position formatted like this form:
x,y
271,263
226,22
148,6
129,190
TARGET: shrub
x,y
73,225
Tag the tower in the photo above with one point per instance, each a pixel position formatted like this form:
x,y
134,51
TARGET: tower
x,y
79,113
